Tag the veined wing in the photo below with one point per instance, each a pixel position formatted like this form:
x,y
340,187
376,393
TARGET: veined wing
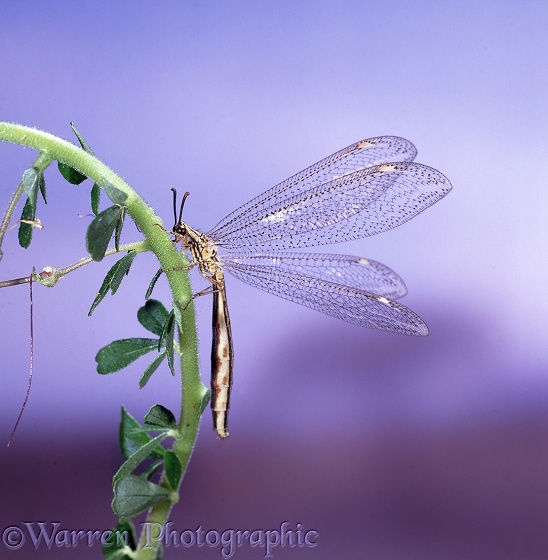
x,y
347,270
360,155
344,302
352,206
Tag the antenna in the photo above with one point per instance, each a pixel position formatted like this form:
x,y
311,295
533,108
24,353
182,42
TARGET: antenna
x,y
180,218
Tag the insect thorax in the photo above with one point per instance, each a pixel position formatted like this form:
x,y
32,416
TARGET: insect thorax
x,y
202,249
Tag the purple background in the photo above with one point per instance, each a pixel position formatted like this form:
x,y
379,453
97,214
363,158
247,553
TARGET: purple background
x,y
390,447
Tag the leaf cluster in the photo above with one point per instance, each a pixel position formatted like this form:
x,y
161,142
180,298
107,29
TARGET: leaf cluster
x,y
104,224
120,353
152,473
135,493
33,182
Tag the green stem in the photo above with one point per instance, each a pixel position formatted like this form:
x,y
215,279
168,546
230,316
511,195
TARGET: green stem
x,y
55,274
172,261
193,393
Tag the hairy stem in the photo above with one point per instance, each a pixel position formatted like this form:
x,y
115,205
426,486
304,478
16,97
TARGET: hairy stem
x,y
51,275
173,263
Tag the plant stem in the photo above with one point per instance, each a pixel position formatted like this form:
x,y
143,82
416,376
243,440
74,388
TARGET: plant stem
x,y
173,263
51,275
193,393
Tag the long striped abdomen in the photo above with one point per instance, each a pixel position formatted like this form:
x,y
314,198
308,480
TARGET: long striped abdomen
x,y
222,359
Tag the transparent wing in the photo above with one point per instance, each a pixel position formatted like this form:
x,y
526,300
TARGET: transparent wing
x,y
351,206
360,155
347,270
344,302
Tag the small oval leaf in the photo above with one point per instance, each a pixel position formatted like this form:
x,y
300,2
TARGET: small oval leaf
x,y
150,449
118,229
116,195
83,143
95,198
123,266
153,283
173,469
206,397
25,229
120,353
153,316
134,495
73,176
103,290
100,231
131,434
160,418
147,374
32,179
113,278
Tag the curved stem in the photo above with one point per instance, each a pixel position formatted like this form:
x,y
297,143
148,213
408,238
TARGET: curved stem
x,y
171,260
157,238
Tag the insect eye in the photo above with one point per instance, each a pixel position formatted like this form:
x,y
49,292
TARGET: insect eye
x,y
179,228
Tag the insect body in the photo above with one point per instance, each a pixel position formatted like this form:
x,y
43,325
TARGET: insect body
x,y
204,253
364,189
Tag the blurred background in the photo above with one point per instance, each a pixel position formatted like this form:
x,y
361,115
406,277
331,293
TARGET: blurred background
x,y
388,446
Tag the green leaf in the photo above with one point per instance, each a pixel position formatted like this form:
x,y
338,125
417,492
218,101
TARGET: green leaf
x,y
178,314
42,186
144,452
32,180
134,495
153,283
122,269
73,176
160,418
95,198
83,143
116,195
122,535
113,279
100,231
26,230
173,469
167,336
118,229
169,347
133,436
103,290
120,353
151,369
95,190
153,316
205,400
